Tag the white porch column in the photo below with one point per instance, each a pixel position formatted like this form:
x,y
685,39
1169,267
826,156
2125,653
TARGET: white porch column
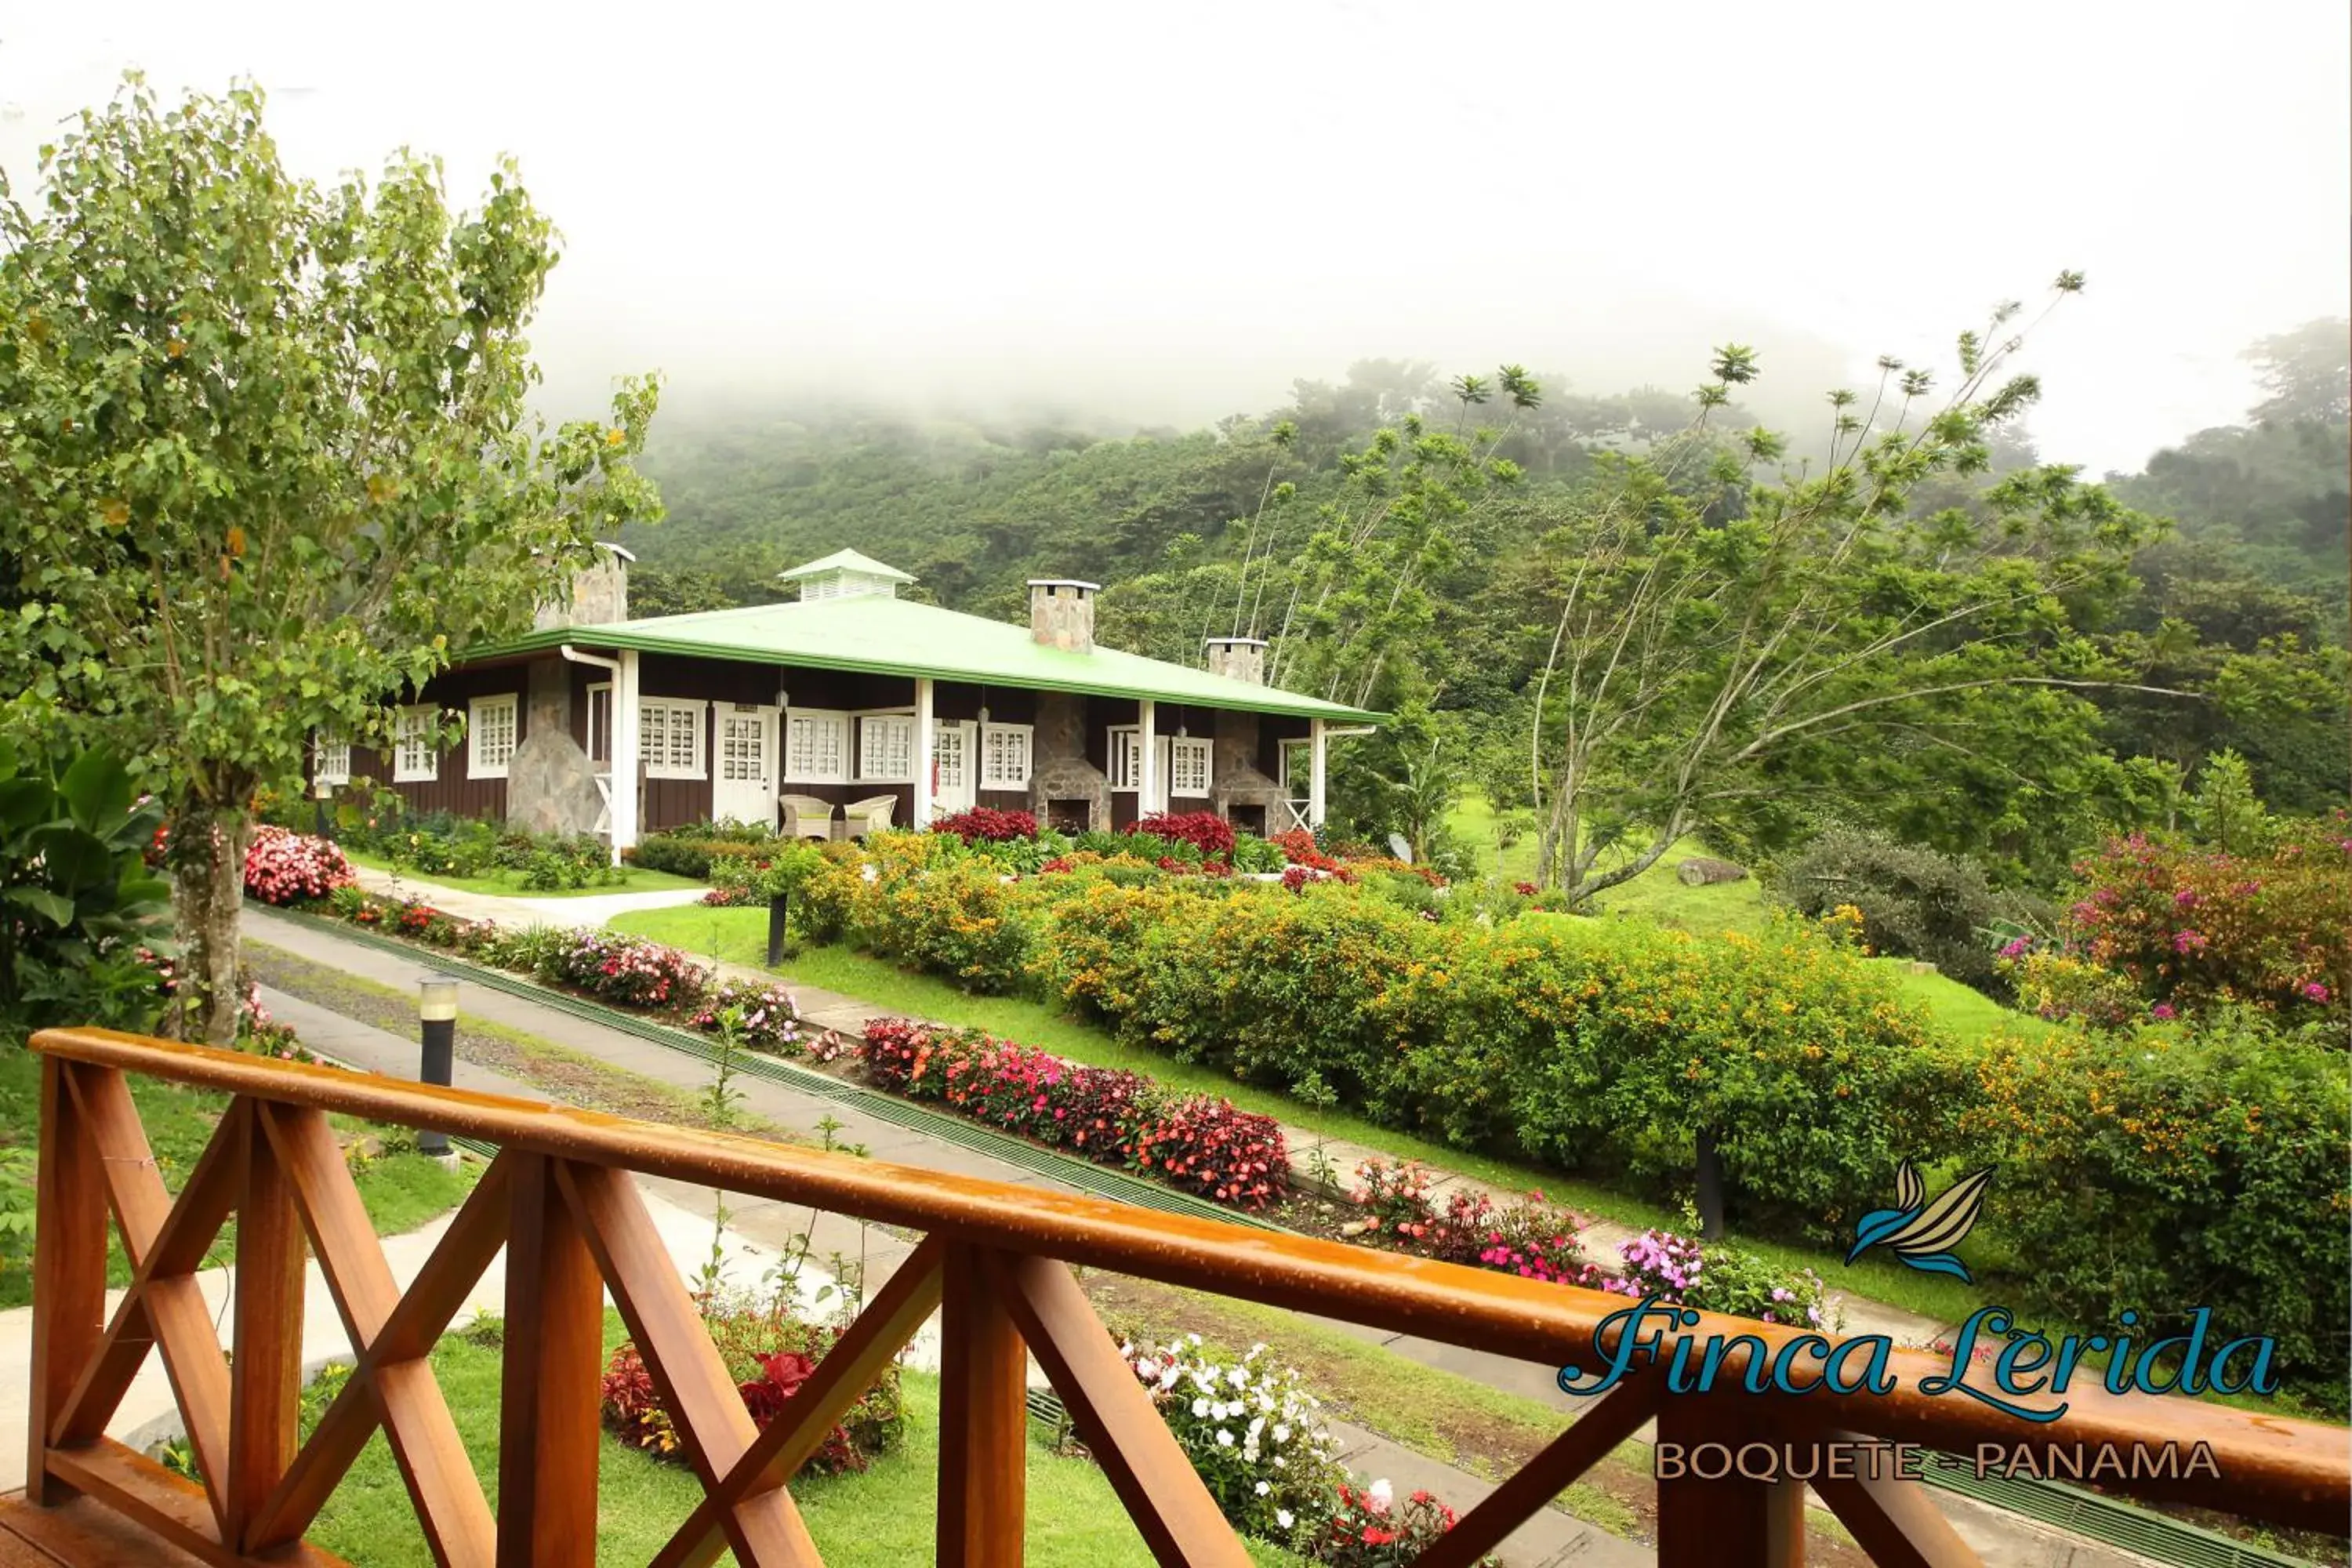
x,y
1147,768
1319,750
926,738
626,749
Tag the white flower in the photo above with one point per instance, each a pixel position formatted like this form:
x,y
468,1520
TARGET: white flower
x,y
1238,1377
1225,1438
1264,1488
1174,1376
1284,1518
1282,1432
1193,1338
1379,1494
1201,1408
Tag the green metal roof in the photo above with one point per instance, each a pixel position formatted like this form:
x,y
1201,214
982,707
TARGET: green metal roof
x,y
898,636
846,560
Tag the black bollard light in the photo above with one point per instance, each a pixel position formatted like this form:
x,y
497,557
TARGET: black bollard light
x,y
437,1015
779,909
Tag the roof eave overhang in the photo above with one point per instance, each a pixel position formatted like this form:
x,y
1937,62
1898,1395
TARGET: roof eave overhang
x,y
1296,707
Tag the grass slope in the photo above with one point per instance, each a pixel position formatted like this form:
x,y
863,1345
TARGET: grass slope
x,y
883,1518
1657,895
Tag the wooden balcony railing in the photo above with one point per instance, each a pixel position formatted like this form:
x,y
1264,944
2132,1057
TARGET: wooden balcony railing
x,y
558,1198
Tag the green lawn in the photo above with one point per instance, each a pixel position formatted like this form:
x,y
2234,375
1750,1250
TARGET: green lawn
x,y
507,884
741,936
1657,894
882,1518
401,1189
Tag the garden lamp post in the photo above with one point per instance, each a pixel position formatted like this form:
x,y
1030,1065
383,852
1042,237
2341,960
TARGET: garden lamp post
x,y
437,1014
320,791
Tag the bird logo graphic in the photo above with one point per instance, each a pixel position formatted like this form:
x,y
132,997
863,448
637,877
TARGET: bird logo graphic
x,y
1923,1234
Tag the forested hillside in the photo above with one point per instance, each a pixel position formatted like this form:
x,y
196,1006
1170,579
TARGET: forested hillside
x,y
1912,622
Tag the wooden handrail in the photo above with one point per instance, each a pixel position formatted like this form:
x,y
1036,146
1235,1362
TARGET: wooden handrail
x,y
1009,1244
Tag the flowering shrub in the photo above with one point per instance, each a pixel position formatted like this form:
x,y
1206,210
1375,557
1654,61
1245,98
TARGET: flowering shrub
x,y
772,1355
2208,1164
1205,831
1298,847
1531,1237
2053,985
1113,1118
2192,927
985,824
627,970
766,1017
286,868
1254,1436
1366,1527
1721,1278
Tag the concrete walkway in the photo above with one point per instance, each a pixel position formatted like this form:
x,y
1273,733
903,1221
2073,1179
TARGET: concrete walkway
x,y
1552,1538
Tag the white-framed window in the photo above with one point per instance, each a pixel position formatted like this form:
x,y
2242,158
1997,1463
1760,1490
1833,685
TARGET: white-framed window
x,y
1188,766
600,722
414,760
669,735
333,764
1125,757
951,759
491,726
816,746
1004,756
886,748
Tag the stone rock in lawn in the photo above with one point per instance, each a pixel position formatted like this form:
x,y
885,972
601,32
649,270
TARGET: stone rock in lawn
x,y
1701,870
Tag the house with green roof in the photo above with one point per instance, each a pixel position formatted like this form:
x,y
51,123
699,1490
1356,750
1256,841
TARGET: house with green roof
x,y
847,708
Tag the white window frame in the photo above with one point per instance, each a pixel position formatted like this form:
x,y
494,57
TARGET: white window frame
x,y
605,686
1179,748
834,716
332,761
673,710
1027,736
1123,752
405,736
885,716
476,767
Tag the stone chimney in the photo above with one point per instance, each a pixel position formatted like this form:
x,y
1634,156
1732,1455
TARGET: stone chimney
x,y
598,595
1238,659
1061,613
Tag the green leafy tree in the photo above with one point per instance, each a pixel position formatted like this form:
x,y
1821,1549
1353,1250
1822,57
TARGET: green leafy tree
x,y
2306,373
266,460
1697,667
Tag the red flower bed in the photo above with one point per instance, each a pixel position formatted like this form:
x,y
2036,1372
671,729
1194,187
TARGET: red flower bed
x,y
984,823
1113,1118
1298,846
1212,835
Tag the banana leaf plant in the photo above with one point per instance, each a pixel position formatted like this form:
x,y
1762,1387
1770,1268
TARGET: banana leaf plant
x,y
79,903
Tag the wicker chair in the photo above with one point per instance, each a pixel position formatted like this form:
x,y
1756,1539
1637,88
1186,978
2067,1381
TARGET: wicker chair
x,y
805,817
871,815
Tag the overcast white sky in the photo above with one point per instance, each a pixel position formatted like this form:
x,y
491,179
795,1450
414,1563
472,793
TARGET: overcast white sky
x,y
1168,212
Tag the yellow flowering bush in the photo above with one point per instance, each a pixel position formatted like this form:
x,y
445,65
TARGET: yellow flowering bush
x,y
2165,1169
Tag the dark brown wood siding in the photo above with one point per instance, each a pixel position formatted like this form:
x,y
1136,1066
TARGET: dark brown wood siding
x,y
451,789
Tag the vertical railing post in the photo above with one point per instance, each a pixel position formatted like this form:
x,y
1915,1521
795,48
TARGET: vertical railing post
x,y
555,1359
265,1373
68,1269
983,1420
1722,1520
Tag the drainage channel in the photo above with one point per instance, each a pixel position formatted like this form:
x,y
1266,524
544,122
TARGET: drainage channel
x,y
1095,1180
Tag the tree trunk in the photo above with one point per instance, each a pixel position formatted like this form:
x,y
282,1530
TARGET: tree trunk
x,y
208,888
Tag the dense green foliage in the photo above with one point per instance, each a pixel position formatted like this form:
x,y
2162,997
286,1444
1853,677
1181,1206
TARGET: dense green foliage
x,y
78,901
2004,570
267,457
1914,902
